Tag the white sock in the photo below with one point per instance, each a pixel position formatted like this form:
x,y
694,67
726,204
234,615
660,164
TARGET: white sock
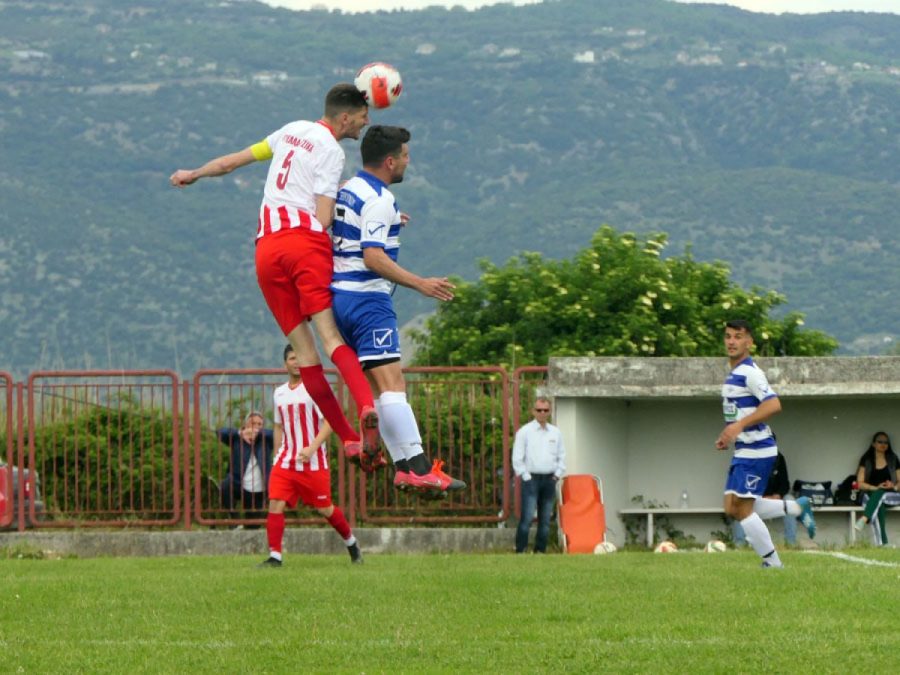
x,y
388,436
792,508
398,416
350,541
275,554
759,538
768,508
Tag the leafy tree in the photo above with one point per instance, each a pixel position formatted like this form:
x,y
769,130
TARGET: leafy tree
x,y
618,297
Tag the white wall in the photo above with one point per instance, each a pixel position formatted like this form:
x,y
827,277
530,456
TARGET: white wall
x,y
596,439
656,447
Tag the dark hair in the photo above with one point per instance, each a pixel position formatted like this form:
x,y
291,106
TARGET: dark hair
x,y
381,142
740,324
343,97
287,350
868,457
871,449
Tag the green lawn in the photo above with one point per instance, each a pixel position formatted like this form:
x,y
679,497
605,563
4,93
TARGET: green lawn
x,y
631,611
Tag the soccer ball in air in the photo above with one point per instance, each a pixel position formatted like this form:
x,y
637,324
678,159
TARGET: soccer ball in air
x,y
605,547
380,83
715,546
665,547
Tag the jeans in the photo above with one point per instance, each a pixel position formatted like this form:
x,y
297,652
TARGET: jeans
x,y
254,503
538,493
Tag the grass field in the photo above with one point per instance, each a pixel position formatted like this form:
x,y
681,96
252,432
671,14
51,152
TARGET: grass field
x,y
627,612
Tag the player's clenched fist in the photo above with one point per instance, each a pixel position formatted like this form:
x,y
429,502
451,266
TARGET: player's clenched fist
x,y
182,177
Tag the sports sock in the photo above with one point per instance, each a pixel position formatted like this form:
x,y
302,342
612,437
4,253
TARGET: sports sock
x,y
792,508
314,380
419,464
759,537
339,523
388,437
400,420
769,508
772,559
347,363
275,533
350,541
402,465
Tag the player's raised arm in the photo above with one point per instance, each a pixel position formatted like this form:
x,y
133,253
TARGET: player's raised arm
x,y
218,166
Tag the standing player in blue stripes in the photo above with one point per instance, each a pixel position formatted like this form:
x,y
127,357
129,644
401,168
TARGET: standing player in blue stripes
x,y
748,401
366,241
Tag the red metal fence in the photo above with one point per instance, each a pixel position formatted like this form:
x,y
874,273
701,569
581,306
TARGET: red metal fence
x,y
106,448
463,417
139,448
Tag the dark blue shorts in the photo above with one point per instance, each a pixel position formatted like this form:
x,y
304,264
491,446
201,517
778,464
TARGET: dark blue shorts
x,y
749,477
368,324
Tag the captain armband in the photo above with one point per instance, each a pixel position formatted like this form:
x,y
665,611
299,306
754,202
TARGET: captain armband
x,y
261,150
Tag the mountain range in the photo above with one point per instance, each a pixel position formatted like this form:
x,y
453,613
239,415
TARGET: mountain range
x,y
768,142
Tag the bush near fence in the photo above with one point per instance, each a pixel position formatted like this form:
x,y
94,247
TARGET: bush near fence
x,y
107,460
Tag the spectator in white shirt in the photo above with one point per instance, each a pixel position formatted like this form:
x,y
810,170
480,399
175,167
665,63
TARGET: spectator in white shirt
x,y
539,461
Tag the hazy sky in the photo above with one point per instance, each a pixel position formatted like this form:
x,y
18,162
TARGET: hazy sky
x,y
775,6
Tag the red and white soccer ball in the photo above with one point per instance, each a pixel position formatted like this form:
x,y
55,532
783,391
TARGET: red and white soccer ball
x,y
380,83
666,547
605,547
715,546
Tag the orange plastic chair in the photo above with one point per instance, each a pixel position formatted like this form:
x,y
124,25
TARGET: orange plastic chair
x,y
580,513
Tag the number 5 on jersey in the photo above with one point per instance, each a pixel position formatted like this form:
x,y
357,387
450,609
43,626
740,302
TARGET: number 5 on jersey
x,y
282,179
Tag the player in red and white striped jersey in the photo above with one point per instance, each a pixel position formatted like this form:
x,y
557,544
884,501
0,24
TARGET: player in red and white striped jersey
x,y
300,470
293,250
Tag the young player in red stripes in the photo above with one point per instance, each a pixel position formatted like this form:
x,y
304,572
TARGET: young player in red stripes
x,y
300,471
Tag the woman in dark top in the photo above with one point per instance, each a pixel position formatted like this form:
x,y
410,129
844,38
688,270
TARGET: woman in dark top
x,y
879,478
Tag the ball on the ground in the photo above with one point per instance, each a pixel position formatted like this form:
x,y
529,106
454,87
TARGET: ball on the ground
x,y
380,83
665,547
715,546
605,547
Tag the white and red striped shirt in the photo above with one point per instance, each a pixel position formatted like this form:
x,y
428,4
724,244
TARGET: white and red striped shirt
x,y
301,421
306,161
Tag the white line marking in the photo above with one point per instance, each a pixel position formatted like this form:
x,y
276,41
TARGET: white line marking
x,y
853,558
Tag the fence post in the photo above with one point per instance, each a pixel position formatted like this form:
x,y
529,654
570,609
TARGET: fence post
x,y
186,450
20,460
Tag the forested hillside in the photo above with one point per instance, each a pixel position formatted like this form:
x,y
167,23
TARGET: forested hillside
x,y
767,142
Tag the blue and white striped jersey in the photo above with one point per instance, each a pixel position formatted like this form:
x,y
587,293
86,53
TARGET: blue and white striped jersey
x,y
366,214
745,388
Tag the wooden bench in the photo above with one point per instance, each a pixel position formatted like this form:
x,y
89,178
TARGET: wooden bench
x,y
851,512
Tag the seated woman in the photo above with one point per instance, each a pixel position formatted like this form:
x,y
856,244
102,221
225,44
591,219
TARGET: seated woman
x,y
879,481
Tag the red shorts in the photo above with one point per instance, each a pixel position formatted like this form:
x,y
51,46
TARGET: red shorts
x,y
294,269
313,487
